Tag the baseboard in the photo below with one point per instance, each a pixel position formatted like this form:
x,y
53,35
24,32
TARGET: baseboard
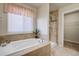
x,y
72,41
71,45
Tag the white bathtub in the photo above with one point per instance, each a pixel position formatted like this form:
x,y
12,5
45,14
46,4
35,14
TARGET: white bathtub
x,y
19,45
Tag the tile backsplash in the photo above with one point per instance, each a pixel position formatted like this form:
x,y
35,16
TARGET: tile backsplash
x,y
15,37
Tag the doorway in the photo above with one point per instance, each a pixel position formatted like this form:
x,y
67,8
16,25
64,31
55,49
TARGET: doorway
x,y
71,30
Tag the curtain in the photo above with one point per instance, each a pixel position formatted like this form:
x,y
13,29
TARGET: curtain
x,y
17,9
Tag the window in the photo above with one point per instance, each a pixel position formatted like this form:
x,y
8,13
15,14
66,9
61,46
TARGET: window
x,y
20,23
28,24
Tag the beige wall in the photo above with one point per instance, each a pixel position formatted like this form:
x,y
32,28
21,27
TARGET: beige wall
x,y
43,20
62,11
3,20
71,28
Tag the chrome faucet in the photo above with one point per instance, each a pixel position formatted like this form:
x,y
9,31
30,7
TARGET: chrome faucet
x,y
42,40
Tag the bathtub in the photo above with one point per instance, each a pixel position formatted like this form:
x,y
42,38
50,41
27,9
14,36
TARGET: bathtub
x,y
16,46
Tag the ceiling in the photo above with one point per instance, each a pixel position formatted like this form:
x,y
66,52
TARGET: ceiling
x,y
54,6
35,5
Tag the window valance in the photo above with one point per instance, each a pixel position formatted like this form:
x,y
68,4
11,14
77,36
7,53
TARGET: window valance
x,y
17,9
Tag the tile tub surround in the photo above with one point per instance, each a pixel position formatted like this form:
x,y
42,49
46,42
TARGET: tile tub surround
x,y
43,51
15,37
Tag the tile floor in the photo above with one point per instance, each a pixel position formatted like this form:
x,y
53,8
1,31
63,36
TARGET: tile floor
x,y
64,51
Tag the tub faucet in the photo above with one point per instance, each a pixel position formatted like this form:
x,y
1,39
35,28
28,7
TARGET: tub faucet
x,y
42,40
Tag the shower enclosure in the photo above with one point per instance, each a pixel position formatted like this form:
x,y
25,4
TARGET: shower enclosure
x,y
53,26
